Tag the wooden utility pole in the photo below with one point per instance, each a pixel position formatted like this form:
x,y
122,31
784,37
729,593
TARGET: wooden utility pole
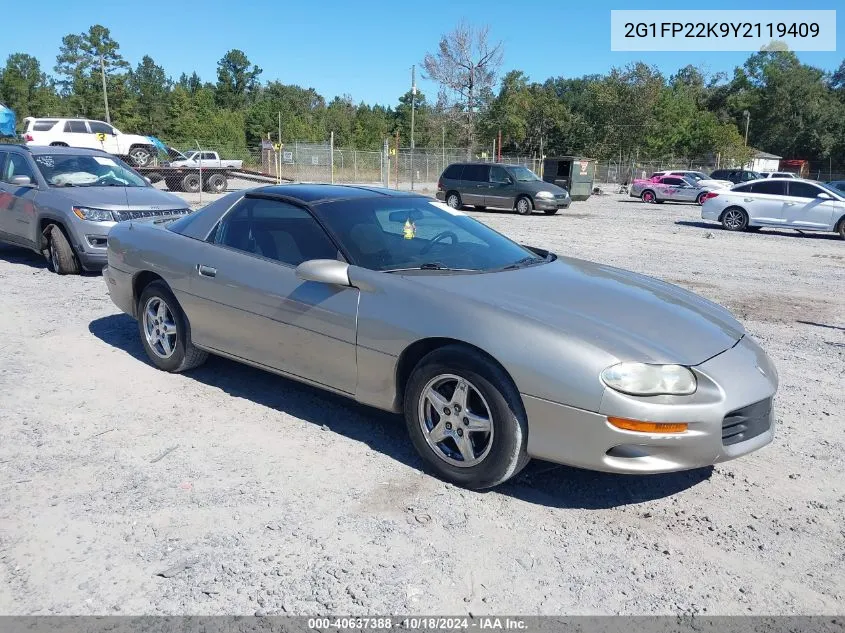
x,y
499,156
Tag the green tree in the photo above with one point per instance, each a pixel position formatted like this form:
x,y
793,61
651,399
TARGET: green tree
x,y
237,79
151,88
25,89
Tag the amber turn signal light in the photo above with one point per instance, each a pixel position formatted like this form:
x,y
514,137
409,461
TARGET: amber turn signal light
x,y
648,427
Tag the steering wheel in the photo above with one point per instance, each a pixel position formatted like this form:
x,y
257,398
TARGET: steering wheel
x,y
434,240
110,176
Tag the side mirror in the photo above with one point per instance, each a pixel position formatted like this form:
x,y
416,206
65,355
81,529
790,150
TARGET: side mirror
x,y
824,196
149,182
324,271
22,181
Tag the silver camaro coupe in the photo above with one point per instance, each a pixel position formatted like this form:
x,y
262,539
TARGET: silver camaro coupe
x,y
495,352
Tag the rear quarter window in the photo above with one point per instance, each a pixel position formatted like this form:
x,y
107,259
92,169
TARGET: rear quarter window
x,y
42,126
476,173
453,172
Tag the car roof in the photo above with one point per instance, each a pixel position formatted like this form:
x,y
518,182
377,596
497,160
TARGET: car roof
x,y
481,162
315,193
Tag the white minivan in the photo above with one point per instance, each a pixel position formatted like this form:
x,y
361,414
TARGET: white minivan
x,y
56,131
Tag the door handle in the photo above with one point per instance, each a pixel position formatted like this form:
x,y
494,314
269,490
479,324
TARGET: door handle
x,y
206,271
748,199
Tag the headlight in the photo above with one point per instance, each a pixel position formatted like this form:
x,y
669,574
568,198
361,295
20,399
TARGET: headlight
x,y
544,194
94,215
640,379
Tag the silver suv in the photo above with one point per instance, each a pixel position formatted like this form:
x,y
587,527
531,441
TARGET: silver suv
x,y
62,201
500,186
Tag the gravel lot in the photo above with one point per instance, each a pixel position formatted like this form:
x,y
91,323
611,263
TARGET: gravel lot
x,y
227,490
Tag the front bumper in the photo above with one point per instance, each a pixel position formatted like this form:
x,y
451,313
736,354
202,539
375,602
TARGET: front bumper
x,y
728,383
119,286
550,204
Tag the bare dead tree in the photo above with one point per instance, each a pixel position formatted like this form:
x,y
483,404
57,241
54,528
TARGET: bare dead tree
x,y
465,65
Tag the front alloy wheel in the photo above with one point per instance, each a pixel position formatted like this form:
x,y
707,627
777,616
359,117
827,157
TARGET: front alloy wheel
x,y
455,420
453,200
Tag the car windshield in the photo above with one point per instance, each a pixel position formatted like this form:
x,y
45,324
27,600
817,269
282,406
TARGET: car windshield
x,y
84,170
697,175
831,188
416,233
523,174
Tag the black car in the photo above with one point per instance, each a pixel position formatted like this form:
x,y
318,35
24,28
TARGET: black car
x,y
736,176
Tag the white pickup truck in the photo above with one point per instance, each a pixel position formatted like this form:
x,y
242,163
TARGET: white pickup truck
x,y
206,160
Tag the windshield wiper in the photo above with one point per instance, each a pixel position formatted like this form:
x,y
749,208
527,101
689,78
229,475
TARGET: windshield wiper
x,y
525,261
430,266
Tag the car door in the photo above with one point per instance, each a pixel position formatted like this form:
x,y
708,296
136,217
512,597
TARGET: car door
x,y
248,302
476,183
501,191
77,134
17,203
804,209
669,188
765,204
105,138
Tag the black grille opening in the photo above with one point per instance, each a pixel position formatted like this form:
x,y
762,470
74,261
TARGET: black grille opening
x,y
132,214
747,422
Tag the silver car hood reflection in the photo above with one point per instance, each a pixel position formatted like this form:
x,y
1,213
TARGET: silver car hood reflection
x,y
627,314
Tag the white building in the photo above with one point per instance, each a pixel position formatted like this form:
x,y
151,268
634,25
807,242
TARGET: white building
x,y
765,162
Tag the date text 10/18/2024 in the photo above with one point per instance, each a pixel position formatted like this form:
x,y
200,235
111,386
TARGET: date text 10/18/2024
x,y
419,623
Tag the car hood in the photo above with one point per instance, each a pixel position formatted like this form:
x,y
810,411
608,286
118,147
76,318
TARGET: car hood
x,y
120,198
628,315
535,186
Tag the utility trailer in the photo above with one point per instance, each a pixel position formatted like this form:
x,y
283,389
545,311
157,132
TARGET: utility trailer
x,y
211,179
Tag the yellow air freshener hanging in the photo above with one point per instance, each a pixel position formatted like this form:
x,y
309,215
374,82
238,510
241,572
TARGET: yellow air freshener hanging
x,y
410,230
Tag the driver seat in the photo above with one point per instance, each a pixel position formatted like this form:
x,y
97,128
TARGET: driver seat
x,y
370,243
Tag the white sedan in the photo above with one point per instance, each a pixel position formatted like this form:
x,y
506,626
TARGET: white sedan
x,y
778,202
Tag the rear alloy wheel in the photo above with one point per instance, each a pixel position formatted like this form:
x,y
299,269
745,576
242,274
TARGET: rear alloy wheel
x,y
140,156
700,200
648,196
164,331
453,200
734,219
465,418
524,206
63,260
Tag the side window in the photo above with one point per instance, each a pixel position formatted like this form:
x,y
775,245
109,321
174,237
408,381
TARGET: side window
x,y
76,127
499,175
43,126
798,189
840,186
3,156
673,181
275,230
100,128
207,156
742,188
453,172
476,173
17,165
771,187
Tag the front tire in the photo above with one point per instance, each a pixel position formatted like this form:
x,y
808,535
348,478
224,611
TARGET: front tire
x,y
465,418
524,206
735,219
700,200
63,260
841,228
164,331
648,196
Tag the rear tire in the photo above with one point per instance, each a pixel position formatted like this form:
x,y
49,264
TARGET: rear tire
x,y
216,183
140,156
734,219
648,196
60,254
490,399
191,183
164,330
700,200
524,206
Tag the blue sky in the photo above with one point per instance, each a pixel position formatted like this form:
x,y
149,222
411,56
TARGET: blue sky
x,y
366,48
